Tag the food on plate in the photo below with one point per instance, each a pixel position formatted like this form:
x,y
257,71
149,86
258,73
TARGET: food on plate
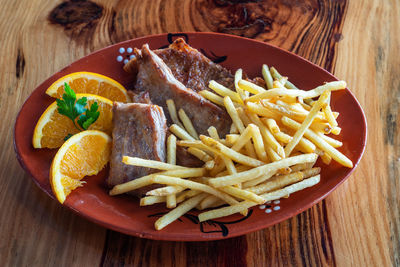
x,y
199,137
189,66
275,135
89,83
140,130
84,154
156,78
70,115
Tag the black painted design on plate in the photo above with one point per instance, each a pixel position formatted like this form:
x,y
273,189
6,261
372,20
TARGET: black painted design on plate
x,y
223,229
216,59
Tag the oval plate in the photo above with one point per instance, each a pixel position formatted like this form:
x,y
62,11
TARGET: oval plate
x,y
123,213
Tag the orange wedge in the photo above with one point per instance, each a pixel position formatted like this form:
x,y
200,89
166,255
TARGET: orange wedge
x,y
89,83
52,127
84,154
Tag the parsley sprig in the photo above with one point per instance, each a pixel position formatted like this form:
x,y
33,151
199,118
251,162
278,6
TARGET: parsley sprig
x,y
76,110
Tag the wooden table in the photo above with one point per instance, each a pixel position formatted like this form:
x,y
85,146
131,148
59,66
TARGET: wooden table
x,y
357,225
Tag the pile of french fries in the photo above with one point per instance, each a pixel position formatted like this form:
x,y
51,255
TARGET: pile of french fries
x,y
277,134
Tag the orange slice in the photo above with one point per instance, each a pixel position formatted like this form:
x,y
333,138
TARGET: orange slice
x,y
89,83
52,127
84,154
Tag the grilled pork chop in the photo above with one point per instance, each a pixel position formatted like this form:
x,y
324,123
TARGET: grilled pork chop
x,y
155,77
139,131
189,66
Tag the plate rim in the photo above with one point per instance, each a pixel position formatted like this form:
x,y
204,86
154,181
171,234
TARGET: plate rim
x,y
199,237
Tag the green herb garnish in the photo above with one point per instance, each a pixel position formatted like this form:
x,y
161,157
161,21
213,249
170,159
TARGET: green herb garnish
x,y
76,109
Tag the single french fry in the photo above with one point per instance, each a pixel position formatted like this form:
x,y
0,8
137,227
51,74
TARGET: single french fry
x,y
171,201
231,139
272,155
230,108
180,132
282,137
188,124
230,167
208,202
267,76
242,194
165,191
276,92
331,86
200,154
171,149
225,211
251,87
306,146
267,169
311,172
230,153
131,185
250,151
162,179
276,182
329,115
319,142
178,211
272,125
224,92
209,165
146,180
238,77
302,166
212,131
307,122
154,164
172,112
150,200
216,99
336,130
276,75
243,139
234,129
333,142
186,194
219,165
238,167
258,143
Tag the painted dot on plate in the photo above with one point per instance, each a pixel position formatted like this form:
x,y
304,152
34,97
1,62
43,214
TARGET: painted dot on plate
x,y
277,208
268,211
276,202
126,61
269,202
132,56
262,207
129,50
122,50
119,58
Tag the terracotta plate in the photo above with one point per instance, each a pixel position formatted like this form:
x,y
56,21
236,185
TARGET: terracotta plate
x,y
123,213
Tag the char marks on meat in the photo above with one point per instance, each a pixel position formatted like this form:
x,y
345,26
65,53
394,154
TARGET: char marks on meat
x,y
155,77
189,66
139,131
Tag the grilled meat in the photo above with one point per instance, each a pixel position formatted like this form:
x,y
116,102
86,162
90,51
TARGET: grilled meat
x,y
139,131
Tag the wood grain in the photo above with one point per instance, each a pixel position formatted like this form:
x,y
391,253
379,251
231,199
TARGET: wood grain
x,y
357,225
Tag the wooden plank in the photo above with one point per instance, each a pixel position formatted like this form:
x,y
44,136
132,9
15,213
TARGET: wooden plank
x,y
364,212
35,230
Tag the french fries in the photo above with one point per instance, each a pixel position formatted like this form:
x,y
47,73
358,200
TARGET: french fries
x,y
188,124
276,137
172,112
